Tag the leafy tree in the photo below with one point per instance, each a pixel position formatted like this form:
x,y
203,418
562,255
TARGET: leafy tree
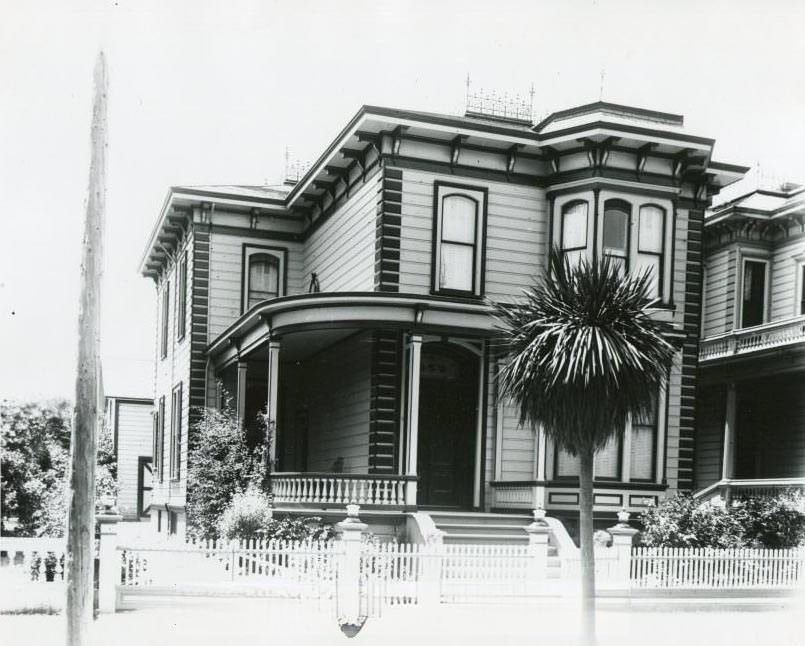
x,y
220,465
35,442
584,354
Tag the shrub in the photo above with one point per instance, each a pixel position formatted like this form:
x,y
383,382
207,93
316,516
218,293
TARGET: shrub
x,y
249,516
681,521
774,522
220,466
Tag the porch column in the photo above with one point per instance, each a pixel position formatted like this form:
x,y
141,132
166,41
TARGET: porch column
x,y
240,405
414,360
728,465
272,400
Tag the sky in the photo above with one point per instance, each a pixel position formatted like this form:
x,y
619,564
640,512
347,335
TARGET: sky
x,y
214,92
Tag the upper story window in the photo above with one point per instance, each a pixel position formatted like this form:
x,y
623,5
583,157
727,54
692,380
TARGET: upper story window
x,y
651,246
753,292
165,307
615,241
459,237
801,303
181,297
633,232
263,274
574,230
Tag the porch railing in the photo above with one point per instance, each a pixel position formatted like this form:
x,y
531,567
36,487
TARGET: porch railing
x,y
749,488
752,339
343,488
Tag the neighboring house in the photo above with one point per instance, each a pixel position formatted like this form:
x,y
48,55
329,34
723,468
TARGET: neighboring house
x,y
130,420
751,398
350,305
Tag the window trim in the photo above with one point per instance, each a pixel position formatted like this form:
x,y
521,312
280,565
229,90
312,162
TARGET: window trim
x,y
248,250
143,461
799,282
175,462
181,297
562,213
479,195
619,204
159,457
661,255
165,320
743,258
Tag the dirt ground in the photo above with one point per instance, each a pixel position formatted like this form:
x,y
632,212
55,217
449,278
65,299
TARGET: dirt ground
x,y
235,622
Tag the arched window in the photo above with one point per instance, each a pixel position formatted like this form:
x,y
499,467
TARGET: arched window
x,y
651,245
264,277
458,248
615,243
574,230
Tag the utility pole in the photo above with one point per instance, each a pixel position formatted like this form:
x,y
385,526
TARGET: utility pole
x,y
83,441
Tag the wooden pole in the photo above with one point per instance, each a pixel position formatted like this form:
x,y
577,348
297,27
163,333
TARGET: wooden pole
x,y
81,515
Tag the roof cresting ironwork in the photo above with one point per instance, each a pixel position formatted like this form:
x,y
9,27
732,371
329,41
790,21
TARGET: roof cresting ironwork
x,y
295,169
490,103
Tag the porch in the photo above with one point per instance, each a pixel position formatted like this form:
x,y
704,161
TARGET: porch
x,y
374,398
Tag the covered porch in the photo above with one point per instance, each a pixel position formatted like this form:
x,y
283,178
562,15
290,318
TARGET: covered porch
x,y
751,428
374,398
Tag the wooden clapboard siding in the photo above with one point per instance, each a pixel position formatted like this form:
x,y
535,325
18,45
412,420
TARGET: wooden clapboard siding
x,y
342,250
718,298
339,403
515,233
133,423
226,275
172,370
711,409
784,266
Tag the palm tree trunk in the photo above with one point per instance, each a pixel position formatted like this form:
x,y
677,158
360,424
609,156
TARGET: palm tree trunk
x,y
586,543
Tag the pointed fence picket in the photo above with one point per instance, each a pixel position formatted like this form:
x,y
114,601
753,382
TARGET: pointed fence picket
x,y
695,567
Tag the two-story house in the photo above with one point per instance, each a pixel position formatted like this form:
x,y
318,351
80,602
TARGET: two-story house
x,y
351,306
751,413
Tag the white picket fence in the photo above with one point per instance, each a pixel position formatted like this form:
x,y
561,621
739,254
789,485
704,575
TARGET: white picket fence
x,y
38,560
300,569
670,567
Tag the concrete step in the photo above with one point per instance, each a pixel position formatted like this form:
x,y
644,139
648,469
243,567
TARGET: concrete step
x,y
474,528
484,539
477,518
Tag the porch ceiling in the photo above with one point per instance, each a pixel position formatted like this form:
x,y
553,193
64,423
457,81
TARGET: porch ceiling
x,y
341,313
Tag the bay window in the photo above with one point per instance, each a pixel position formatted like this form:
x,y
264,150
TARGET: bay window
x,y
458,237
574,230
615,242
651,246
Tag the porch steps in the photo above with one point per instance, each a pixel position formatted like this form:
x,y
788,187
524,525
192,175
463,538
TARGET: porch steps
x,y
470,528
479,528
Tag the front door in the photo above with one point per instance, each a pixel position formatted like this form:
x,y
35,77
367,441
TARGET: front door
x,y
448,401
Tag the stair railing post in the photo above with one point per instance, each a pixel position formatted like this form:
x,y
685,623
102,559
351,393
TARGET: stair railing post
x,y
539,534
623,537
350,532
109,561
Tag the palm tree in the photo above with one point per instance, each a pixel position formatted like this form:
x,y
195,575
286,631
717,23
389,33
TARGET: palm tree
x,y
583,354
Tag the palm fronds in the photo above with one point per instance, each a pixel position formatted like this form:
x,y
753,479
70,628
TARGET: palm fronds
x,y
583,352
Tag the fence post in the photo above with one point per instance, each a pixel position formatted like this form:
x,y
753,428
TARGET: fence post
x,y
350,531
623,536
109,562
539,533
432,569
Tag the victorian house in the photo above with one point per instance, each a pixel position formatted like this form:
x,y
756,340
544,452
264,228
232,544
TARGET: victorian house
x,y
351,306
751,414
